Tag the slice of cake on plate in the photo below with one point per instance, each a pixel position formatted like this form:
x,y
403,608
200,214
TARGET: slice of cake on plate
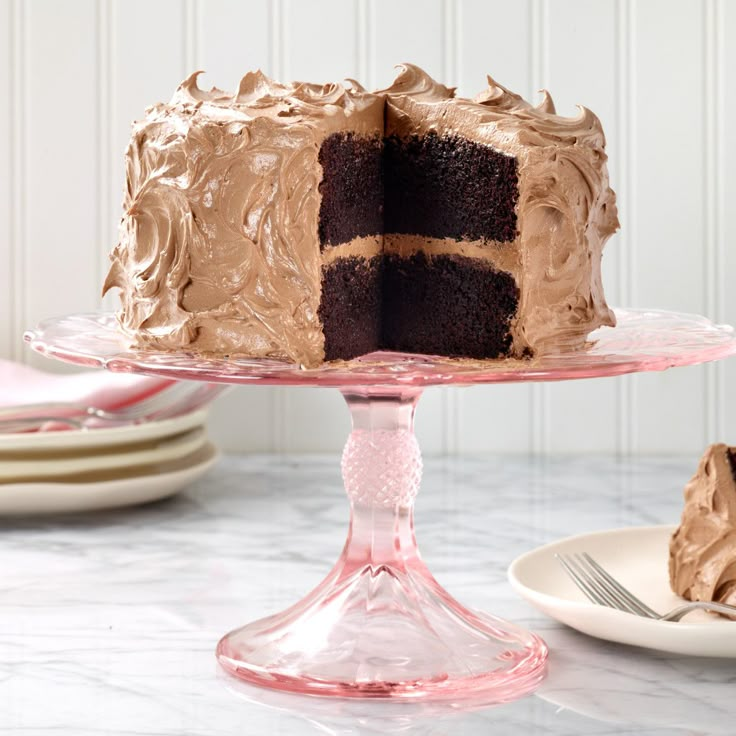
x,y
703,549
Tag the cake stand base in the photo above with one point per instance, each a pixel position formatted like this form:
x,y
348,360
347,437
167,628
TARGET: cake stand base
x,y
379,625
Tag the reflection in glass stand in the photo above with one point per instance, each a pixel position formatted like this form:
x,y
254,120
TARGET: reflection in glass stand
x,y
379,625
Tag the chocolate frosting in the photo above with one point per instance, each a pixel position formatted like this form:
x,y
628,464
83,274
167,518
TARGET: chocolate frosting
x,y
218,246
703,549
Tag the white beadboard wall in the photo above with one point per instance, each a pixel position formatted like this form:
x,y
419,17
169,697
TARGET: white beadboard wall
x,y
659,73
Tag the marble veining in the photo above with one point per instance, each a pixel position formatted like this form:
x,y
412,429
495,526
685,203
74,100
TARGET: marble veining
x,y
108,621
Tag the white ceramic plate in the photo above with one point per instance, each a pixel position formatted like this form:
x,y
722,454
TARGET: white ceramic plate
x,y
57,466
76,439
133,486
638,558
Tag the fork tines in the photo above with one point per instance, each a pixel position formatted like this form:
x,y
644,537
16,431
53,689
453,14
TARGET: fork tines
x,y
600,587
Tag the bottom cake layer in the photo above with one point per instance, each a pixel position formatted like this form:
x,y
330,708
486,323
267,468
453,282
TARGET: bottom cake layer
x,y
350,308
443,305
447,305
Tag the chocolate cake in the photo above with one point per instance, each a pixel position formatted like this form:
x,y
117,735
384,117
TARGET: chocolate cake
x,y
703,549
312,223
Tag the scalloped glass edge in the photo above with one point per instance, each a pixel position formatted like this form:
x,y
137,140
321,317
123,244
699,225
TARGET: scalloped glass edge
x,y
643,340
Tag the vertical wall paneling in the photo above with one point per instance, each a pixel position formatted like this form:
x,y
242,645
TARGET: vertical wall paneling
x,y
328,25
223,52
316,420
191,36
726,191
712,214
494,418
244,420
581,415
61,235
507,59
669,197
11,127
278,38
19,164
410,30
106,216
668,220
368,34
619,259
718,149
360,40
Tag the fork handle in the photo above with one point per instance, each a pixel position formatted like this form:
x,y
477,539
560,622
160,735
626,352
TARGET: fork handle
x,y
711,606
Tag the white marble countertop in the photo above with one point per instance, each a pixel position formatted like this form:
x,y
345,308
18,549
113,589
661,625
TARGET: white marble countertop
x,y
108,621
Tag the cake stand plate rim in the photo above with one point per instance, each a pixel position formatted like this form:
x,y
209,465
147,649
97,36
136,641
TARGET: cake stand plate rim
x,y
644,340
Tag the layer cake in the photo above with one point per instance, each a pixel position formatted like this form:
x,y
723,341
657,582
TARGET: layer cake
x,y
311,223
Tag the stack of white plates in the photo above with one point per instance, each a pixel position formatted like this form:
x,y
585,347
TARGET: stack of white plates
x,y
82,470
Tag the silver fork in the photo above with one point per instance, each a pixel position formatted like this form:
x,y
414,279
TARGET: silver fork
x,y
600,587
180,398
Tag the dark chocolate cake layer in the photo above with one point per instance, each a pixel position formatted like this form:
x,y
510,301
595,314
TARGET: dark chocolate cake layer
x,y
447,305
350,309
351,188
449,187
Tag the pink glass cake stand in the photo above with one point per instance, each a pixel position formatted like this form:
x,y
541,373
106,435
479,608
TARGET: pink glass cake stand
x,y
380,625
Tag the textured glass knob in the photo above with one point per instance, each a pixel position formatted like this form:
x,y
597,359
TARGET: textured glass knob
x,y
382,467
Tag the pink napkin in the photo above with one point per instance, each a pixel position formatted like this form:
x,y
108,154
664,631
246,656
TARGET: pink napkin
x,y
21,384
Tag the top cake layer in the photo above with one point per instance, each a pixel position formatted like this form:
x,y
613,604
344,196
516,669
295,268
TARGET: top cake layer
x,y
236,204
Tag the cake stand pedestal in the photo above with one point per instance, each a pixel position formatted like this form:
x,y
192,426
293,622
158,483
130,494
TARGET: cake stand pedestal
x,y
379,625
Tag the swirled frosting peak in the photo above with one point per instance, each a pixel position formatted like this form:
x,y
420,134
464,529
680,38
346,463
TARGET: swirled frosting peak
x,y
411,80
703,549
259,94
